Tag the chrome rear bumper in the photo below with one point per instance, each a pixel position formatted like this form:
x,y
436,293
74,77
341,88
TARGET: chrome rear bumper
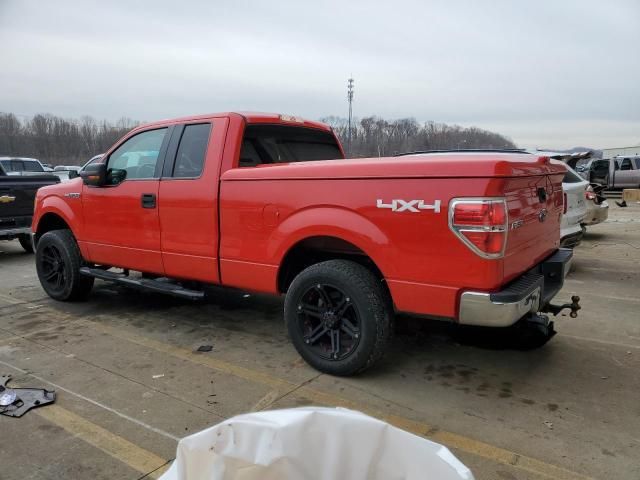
x,y
529,293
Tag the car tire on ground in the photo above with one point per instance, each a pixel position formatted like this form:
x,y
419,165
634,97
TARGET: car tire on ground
x,y
339,317
25,242
58,263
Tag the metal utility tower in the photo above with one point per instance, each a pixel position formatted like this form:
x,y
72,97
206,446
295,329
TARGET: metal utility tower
x,y
350,98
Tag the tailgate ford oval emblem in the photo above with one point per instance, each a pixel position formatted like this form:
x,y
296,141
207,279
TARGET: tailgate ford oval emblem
x,y
542,215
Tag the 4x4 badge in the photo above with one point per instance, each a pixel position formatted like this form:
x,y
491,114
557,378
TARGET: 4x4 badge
x,y
414,206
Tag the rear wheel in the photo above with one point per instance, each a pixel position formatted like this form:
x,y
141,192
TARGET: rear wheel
x,y
58,263
25,242
339,317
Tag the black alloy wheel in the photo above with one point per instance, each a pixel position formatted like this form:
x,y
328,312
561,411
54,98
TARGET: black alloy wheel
x,y
339,316
58,262
329,322
55,273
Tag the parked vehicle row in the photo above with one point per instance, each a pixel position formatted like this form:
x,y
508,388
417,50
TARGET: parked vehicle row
x,y
268,203
17,195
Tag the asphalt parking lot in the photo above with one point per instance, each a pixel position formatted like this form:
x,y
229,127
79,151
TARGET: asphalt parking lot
x,y
130,381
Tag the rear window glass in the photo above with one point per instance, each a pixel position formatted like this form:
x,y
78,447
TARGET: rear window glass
x,y
192,149
266,144
571,177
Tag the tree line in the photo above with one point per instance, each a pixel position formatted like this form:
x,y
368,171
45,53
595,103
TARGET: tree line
x,y
57,140
377,137
61,141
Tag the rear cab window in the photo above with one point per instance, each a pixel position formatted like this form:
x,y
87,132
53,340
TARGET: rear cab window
x,y
32,166
626,164
189,161
271,144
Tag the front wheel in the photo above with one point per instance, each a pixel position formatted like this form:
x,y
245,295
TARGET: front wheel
x,y
58,263
339,317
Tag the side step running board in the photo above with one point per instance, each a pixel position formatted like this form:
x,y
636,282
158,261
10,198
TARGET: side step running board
x,y
143,283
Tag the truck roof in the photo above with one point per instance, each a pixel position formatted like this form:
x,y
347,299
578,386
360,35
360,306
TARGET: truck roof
x,y
249,117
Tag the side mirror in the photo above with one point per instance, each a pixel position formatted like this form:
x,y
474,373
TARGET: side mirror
x,y
94,175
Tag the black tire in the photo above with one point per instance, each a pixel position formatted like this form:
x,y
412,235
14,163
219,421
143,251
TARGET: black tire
x,y
58,263
533,333
339,317
25,242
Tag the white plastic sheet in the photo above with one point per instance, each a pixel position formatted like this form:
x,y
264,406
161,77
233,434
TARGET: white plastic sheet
x,y
311,444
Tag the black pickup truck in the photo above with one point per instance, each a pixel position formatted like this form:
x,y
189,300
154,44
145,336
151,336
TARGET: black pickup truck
x,y
17,194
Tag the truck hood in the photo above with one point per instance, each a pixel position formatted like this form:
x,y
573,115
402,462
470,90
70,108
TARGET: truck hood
x,y
441,165
60,189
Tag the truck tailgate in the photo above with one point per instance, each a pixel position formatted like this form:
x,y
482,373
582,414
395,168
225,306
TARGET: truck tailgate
x,y
535,209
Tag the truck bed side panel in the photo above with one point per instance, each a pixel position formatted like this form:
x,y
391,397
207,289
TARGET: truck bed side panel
x,y
262,220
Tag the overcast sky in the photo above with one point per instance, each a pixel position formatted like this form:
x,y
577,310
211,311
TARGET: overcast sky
x,y
547,73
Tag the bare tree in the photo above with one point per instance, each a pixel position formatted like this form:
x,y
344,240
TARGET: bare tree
x,y
58,140
374,136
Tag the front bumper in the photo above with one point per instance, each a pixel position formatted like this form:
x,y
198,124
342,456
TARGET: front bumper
x,y
529,293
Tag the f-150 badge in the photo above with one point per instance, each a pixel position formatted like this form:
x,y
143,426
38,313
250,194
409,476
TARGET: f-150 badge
x,y
413,206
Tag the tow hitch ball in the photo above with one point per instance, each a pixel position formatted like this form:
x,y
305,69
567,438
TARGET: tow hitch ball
x,y
574,306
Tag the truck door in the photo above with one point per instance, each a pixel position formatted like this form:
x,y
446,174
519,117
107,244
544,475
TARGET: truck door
x,y
121,223
599,172
188,200
627,175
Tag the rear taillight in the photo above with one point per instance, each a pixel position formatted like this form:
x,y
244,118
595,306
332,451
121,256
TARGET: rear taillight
x,y
589,195
481,223
566,204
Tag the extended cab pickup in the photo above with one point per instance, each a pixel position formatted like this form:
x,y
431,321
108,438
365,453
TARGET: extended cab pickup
x,y
17,194
618,172
268,203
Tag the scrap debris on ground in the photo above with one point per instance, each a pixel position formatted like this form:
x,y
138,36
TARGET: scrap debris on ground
x,y
15,402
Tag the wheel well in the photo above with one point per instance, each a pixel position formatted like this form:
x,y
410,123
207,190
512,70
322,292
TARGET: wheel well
x,y
48,222
319,249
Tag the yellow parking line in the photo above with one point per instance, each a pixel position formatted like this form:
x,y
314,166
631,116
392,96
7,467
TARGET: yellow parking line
x,y
453,440
117,447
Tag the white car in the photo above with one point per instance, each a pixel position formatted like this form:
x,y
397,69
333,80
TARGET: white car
x,y
575,208
575,201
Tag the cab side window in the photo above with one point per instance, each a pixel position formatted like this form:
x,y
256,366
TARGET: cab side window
x,y
137,157
626,164
191,152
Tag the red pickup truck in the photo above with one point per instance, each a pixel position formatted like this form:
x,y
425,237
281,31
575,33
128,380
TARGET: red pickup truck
x,y
268,203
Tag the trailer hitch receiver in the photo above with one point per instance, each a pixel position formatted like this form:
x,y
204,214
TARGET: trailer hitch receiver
x,y
574,306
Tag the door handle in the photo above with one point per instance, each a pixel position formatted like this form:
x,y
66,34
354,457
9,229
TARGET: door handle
x,y
148,200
